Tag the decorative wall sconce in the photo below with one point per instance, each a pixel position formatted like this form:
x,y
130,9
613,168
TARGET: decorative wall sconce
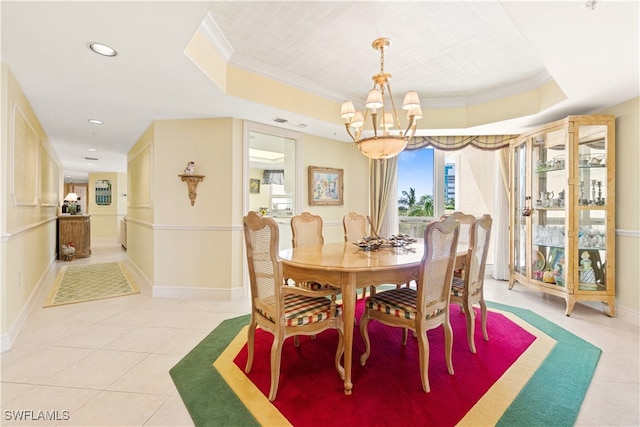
x,y
192,182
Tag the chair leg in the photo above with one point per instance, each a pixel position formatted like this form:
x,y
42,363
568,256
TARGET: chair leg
x,y
483,310
251,338
405,332
276,354
364,321
470,314
448,344
423,352
296,341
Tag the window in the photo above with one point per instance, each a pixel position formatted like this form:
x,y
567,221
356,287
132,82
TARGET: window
x,y
427,188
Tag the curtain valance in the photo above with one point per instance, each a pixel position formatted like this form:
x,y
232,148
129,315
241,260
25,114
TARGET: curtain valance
x,y
449,143
273,177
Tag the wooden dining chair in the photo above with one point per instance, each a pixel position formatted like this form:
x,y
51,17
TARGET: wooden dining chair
x,y
278,308
465,221
425,307
469,290
355,227
306,230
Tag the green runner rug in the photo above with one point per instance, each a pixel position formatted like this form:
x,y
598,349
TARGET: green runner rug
x,y
90,282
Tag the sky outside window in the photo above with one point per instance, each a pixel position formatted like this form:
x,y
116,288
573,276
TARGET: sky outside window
x,y
415,170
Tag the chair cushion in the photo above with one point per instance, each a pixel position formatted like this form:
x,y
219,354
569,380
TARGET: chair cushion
x,y
399,302
314,286
457,287
301,310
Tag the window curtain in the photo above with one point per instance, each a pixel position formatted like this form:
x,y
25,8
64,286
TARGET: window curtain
x,y
383,172
382,175
450,143
273,177
500,227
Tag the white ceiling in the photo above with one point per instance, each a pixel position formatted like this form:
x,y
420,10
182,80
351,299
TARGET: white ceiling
x,y
453,53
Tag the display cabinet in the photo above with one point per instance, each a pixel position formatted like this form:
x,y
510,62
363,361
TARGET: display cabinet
x,y
75,229
562,203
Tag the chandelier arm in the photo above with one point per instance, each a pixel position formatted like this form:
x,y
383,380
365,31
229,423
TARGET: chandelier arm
x,y
364,120
348,128
393,106
410,127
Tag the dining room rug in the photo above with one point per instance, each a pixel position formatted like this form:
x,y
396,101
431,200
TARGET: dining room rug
x,y
89,282
530,372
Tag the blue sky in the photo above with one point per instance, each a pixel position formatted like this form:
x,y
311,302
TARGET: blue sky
x,y
415,169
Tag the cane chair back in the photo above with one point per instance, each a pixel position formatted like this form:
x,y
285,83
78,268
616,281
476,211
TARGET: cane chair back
x,y
306,230
278,308
425,307
469,290
355,227
465,221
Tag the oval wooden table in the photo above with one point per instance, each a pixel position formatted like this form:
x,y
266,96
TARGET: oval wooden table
x,y
346,266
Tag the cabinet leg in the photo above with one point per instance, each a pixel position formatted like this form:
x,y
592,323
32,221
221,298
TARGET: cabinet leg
x,y
609,306
571,301
512,282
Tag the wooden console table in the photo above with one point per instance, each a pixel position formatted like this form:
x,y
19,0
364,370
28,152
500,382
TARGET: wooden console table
x,y
76,229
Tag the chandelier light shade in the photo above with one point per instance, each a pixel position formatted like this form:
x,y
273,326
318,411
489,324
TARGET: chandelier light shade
x,y
388,139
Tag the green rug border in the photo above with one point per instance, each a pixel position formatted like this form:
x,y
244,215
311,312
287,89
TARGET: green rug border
x,y
552,397
554,394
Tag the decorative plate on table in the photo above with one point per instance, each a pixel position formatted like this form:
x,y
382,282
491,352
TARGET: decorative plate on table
x,y
395,241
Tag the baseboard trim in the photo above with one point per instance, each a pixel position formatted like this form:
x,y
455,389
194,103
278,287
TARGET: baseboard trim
x,y
8,338
628,315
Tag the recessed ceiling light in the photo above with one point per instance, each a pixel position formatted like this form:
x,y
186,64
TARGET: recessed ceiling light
x,y
95,122
102,49
91,149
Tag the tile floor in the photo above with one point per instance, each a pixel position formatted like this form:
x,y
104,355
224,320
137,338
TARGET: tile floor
x,y
106,362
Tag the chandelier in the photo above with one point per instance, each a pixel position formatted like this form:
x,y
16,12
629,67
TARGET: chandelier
x,y
388,138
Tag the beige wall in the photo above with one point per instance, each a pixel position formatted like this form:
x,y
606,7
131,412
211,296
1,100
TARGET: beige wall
x,y
198,250
334,154
627,205
194,250
105,220
140,238
31,184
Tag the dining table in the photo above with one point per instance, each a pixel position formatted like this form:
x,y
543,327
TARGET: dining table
x,y
348,267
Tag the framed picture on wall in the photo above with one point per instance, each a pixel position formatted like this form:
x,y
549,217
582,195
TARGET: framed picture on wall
x,y
325,186
254,185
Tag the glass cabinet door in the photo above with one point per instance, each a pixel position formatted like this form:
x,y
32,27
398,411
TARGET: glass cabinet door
x,y
593,186
549,223
519,203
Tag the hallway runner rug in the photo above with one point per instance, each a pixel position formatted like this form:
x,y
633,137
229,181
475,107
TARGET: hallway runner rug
x,y
90,282
530,372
